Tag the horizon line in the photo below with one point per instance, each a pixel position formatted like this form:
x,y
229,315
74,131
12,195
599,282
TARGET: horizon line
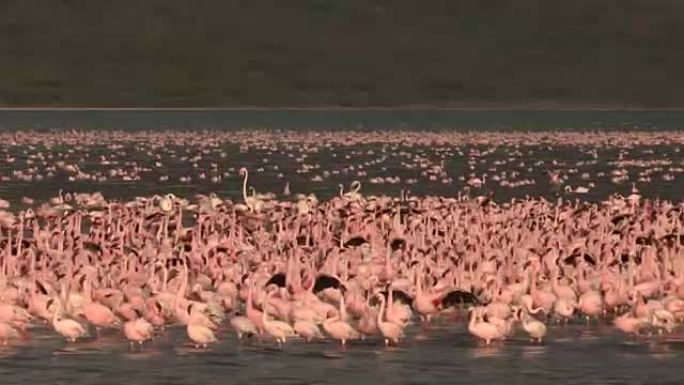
x,y
482,107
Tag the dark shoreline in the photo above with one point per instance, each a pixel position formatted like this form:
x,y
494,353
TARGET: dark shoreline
x,y
427,107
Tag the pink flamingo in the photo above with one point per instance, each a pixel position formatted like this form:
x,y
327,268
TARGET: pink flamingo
x,y
277,329
138,330
390,330
481,329
198,329
339,329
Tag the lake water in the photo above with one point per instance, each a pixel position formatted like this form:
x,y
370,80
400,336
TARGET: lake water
x,y
442,353
527,163
364,119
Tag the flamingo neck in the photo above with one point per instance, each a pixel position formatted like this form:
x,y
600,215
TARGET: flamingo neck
x,y
264,314
249,297
244,186
471,322
183,286
87,290
381,310
343,311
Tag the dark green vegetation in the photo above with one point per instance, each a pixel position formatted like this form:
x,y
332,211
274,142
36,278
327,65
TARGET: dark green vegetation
x,y
172,53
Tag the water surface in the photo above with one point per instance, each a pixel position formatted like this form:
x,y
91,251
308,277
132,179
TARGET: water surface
x,y
441,353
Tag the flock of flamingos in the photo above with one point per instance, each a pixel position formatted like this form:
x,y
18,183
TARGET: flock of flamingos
x,y
355,266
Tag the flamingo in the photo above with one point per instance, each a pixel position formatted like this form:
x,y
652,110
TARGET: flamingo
x,y
390,330
253,203
533,327
67,327
198,329
482,329
138,330
307,330
277,329
629,324
243,326
577,190
339,329
591,304
97,313
9,331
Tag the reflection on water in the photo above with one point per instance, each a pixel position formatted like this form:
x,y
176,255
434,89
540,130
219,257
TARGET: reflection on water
x,y
495,349
147,354
534,351
7,351
588,334
578,353
658,349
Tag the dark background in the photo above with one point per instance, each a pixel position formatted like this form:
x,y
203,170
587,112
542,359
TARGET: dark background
x,y
173,53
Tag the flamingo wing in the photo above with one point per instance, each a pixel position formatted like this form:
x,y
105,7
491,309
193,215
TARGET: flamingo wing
x,y
459,297
277,279
324,281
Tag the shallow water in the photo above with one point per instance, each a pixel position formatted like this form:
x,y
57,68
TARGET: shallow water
x,y
271,167
379,160
443,352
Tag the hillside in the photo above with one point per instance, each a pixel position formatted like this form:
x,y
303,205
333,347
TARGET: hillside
x,y
341,52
